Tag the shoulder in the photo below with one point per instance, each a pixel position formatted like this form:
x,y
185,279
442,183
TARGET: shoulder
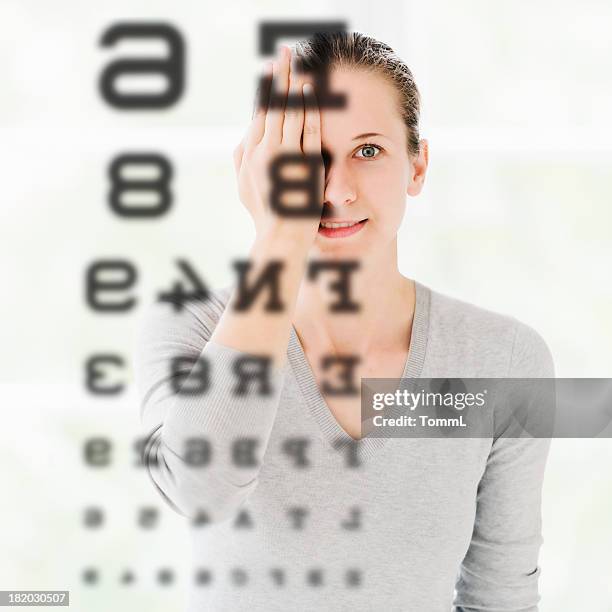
x,y
485,342
531,355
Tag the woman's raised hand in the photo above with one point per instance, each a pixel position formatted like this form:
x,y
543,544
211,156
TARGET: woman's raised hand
x,y
276,130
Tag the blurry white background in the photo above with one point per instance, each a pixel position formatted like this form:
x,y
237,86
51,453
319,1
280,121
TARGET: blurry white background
x,y
515,217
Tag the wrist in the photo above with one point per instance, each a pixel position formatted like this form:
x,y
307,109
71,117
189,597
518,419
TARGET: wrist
x,y
296,236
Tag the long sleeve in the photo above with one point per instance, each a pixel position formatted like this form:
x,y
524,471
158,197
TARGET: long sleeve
x,y
500,570
190,449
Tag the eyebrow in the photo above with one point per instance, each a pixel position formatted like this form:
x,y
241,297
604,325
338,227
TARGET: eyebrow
x,y
367,134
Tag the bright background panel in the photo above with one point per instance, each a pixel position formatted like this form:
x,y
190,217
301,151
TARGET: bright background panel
x,y
515,217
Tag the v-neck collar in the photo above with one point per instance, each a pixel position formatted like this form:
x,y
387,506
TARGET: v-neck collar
x,y
331,430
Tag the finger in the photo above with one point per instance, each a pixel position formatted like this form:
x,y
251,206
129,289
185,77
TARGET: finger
x,y
262,98
275,115
294,112
311,140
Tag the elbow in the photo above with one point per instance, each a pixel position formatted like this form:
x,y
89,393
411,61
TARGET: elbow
x,y
203,494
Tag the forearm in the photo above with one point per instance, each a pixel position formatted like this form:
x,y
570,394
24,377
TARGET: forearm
x,y
256,330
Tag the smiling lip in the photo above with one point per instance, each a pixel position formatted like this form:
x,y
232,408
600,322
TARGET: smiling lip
x,y
341,232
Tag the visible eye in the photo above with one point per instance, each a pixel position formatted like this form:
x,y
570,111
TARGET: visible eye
x,y
369,151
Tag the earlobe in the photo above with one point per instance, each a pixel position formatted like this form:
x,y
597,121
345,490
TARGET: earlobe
x,y
414,188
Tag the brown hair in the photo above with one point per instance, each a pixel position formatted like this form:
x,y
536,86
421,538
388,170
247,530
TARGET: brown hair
x,y
327,50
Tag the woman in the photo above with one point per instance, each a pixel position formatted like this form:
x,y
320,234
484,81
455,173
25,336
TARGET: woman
x,y
301,511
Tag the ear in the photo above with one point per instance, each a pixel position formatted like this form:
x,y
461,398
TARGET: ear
x,y
419,169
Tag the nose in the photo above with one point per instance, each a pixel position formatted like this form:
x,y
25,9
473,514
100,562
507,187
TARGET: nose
x,y
339,185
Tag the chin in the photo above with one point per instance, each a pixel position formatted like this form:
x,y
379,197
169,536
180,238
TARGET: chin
x,y
339,249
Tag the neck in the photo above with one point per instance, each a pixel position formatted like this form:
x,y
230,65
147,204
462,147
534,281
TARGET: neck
x,y
382,323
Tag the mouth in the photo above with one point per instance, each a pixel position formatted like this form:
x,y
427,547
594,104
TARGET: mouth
x,y
340,230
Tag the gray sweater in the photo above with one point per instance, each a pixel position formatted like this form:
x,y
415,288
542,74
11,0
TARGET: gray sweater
x,y
288,512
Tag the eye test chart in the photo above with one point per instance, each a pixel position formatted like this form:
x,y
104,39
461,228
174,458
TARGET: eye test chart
x,y
117,126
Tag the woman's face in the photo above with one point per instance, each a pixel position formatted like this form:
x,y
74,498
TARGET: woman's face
x,y
368,170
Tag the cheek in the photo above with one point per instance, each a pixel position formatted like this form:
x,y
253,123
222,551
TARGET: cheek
x,y
385,189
